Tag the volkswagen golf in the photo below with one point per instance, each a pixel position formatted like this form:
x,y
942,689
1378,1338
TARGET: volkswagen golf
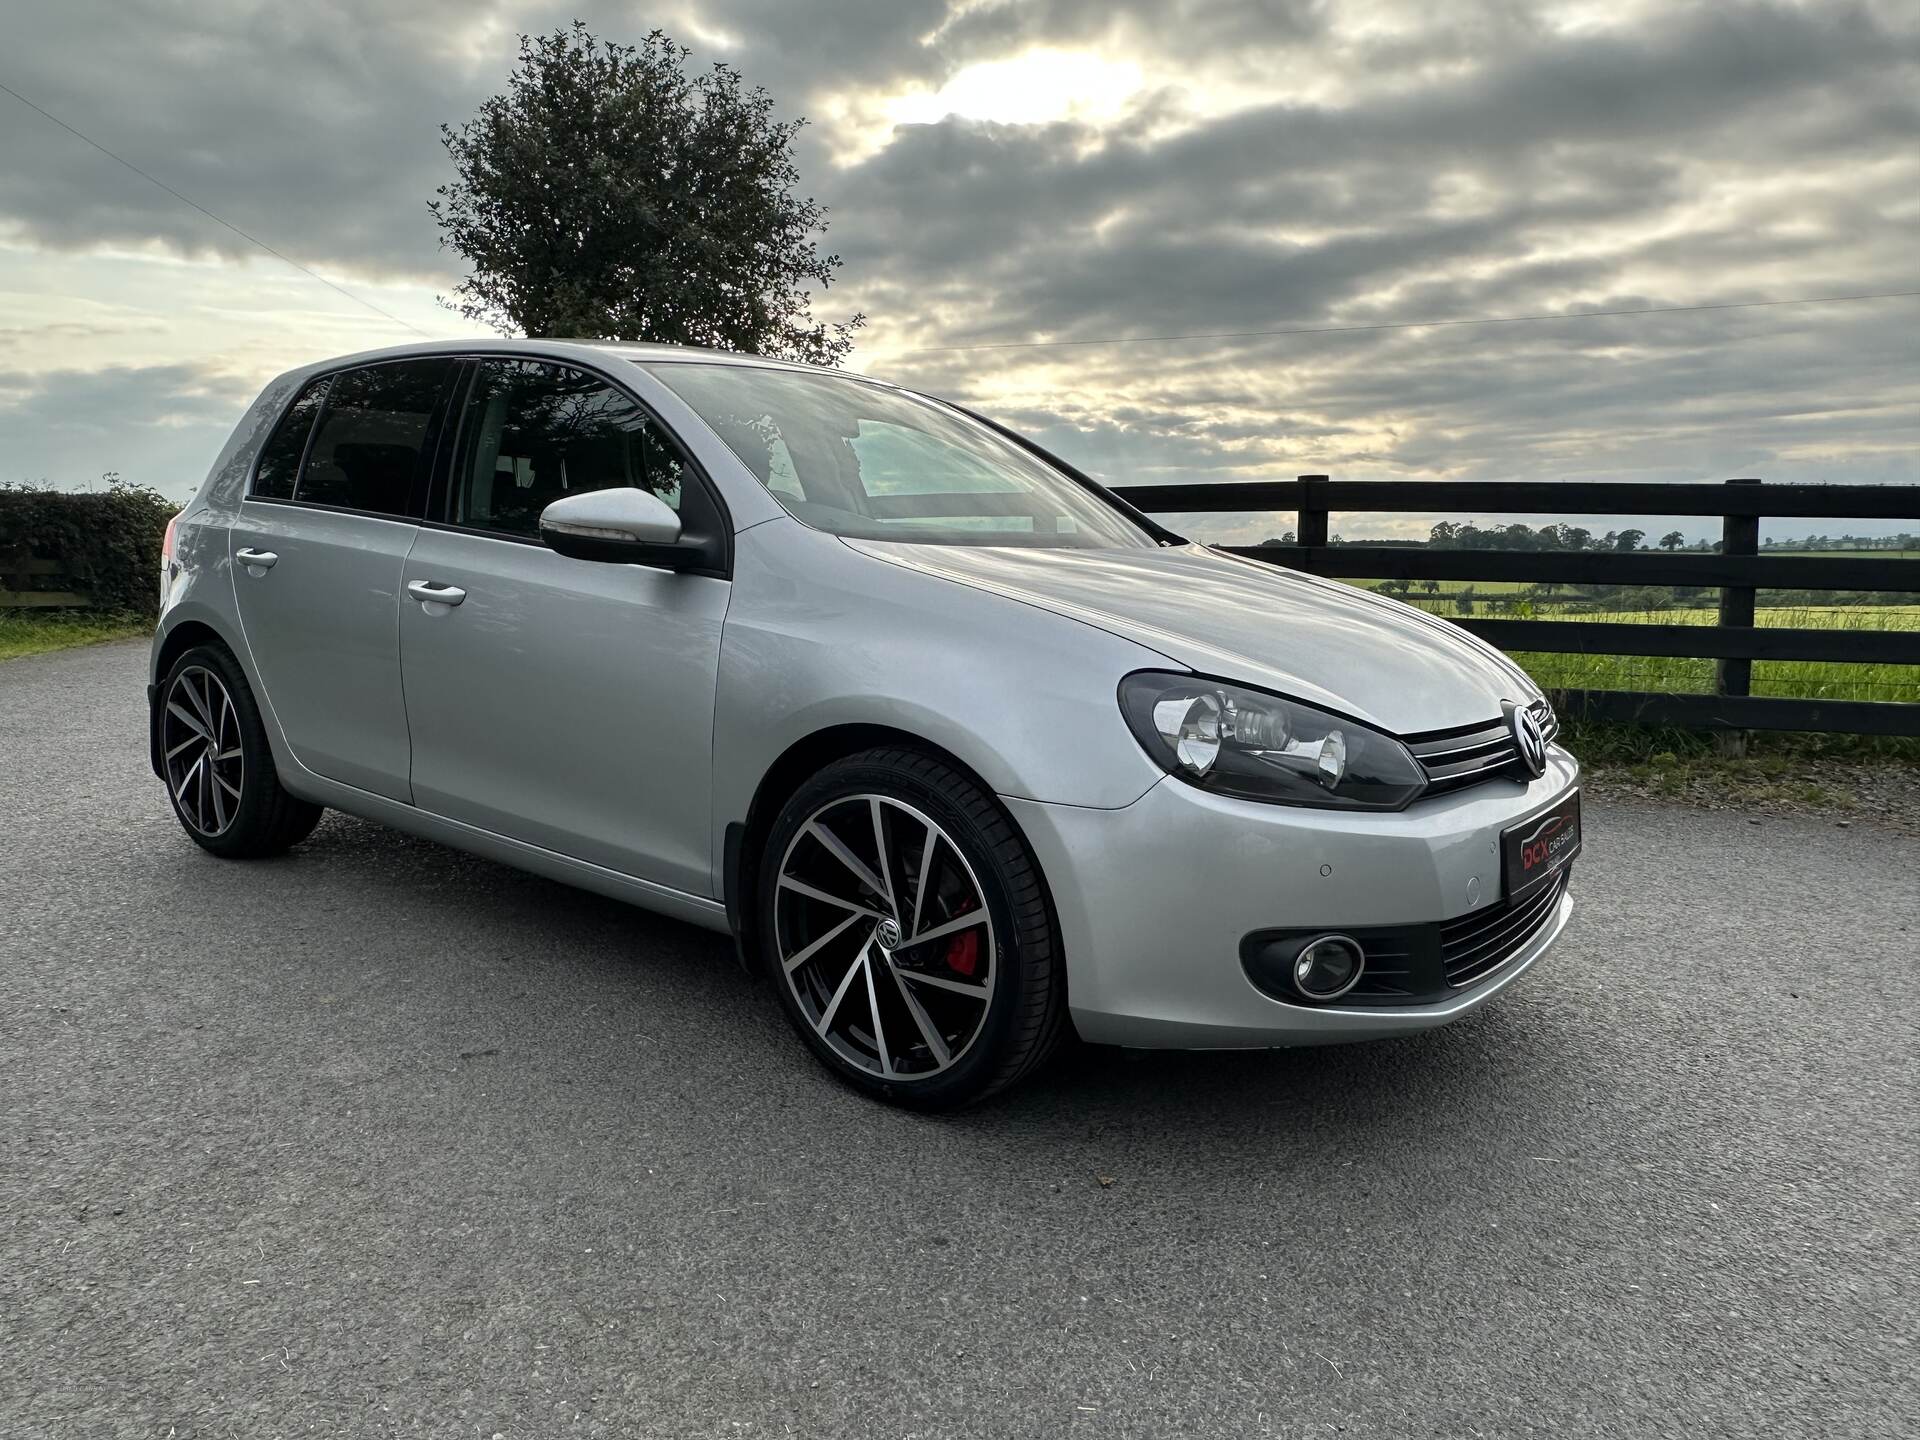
x,y
958,746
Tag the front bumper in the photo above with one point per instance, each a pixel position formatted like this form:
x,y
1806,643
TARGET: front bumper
x,y
1154,900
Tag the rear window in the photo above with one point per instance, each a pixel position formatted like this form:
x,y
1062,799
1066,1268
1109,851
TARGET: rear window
x,y
373,429
280,456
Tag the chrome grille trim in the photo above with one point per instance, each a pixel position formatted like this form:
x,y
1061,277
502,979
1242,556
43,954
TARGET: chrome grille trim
x,y
1467,754
1467,769
1445,745
1475,946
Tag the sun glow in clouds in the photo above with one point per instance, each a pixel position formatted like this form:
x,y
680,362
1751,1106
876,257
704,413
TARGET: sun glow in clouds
x,y
1037,87
1034,88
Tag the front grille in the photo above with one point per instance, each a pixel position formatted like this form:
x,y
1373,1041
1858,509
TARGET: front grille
x,y
1470,754
1476,945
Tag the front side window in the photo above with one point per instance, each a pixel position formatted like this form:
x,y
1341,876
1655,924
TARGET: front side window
x,y
367,450
858,459
535,432
280,456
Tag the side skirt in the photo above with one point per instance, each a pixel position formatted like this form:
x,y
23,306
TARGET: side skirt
x,y
694,909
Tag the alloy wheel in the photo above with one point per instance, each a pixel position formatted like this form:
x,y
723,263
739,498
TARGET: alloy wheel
x,y
884,937
200,733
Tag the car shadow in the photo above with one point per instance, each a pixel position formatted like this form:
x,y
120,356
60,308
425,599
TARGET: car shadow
x,y
699,1013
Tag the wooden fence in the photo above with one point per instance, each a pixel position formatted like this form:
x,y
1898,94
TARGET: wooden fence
x,y
1737,571
28,582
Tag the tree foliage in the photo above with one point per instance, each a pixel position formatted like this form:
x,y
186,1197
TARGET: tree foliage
x,y
1465,535
611,194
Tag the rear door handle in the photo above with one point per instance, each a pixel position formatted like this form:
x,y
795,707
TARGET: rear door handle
x,y
433,593
256,559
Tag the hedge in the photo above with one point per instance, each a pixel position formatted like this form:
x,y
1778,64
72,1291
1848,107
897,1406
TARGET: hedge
x,y
108,542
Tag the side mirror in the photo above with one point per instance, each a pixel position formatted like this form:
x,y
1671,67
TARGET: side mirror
x,y
622,526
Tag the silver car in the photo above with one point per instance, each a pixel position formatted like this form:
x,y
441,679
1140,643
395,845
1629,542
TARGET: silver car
x,y
957,745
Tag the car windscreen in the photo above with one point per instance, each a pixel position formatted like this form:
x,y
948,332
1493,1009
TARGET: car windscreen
x,y
861,460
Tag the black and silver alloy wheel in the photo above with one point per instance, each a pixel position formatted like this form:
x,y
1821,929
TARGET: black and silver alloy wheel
x,y
884,936
205,761
904,921
210,747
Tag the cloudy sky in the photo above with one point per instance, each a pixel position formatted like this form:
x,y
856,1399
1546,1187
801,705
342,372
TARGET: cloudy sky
x,y
1002,172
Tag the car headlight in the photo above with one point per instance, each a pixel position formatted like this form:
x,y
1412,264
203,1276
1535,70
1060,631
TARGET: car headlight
x,y
1236,741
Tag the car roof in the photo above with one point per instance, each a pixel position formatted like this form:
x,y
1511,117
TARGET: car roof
x,y
590,351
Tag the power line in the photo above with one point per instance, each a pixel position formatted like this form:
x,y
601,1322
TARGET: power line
x,y
1414,324
194,204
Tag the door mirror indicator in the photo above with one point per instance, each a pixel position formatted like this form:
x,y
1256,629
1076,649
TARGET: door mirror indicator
x,y
623,526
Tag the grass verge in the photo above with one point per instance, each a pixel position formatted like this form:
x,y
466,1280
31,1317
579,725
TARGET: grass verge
x,y
31,632
1869,777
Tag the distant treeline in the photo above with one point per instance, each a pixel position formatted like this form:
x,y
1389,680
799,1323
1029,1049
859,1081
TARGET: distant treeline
x,y
1846,542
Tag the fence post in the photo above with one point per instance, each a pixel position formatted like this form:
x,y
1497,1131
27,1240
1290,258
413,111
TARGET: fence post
x,y
1311,534
1739,535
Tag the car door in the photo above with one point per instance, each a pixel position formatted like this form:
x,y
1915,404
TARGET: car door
x,y
317,551
566,703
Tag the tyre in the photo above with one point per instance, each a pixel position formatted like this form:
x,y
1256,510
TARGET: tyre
x,y
218,767
905,927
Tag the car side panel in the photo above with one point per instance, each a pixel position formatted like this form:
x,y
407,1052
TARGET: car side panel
x,y
566,703
819,635
198,587
324,628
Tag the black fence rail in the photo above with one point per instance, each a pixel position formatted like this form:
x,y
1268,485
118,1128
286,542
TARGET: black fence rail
x,y
1737,571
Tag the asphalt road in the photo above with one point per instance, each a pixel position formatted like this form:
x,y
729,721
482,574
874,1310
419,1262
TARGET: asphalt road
x,y
381,1139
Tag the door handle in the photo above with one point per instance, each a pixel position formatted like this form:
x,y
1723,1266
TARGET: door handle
x,y
256,559
431,592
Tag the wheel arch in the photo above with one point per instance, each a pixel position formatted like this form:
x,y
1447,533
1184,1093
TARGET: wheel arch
x,y
179,638
182,638
745,839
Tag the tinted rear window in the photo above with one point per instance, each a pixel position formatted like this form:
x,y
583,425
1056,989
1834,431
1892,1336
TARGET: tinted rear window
x,y
280,456
373,429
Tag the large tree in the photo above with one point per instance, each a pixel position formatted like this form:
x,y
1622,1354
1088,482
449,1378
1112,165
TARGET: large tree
x,y
612,194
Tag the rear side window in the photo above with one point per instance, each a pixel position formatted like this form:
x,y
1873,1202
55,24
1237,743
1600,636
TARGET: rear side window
x,y
536,432
280,456
373,431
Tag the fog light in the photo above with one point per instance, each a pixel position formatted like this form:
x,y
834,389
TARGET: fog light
x,y
1328,967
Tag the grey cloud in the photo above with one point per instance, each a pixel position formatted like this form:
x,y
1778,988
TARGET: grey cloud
x,y
1189,27
128,394
314,127
158,425
1549,146
23,341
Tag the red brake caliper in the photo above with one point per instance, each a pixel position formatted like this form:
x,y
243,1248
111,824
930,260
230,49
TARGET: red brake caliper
x,y
963,953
